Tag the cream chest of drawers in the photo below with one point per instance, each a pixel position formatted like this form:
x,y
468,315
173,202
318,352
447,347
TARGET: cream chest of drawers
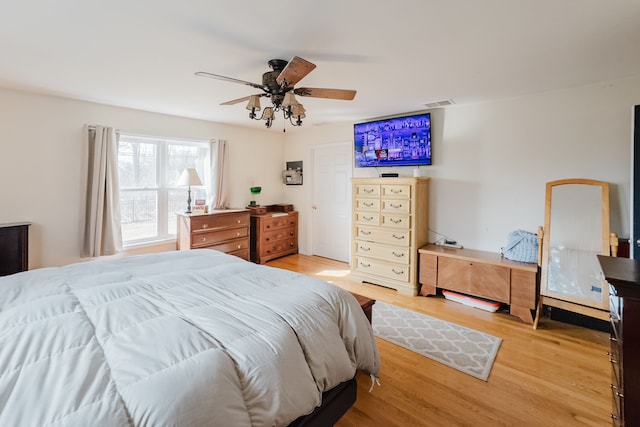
x,y
389,225
225,230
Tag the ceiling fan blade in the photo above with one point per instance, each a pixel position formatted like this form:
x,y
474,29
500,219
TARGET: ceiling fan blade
x,y
228,79
295,71
315,92
236,101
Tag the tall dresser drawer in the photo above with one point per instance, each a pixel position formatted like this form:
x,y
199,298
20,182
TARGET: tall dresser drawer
x,y
383,269
368,218
396,206
396,221
367,190
369,205
396,237
399,191
397,254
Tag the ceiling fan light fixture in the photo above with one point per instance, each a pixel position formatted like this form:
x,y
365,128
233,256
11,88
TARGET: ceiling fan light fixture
x,y
289,100
269,115
253,105
278,86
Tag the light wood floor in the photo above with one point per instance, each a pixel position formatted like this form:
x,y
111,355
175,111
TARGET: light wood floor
x,y
557,375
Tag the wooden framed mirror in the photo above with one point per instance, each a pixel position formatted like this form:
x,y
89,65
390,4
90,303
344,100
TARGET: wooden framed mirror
x,y
576,229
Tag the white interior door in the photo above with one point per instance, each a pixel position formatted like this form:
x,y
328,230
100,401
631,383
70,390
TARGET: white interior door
x,y
331,201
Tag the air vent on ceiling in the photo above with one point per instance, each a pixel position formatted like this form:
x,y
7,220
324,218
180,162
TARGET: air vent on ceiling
x,y
438,104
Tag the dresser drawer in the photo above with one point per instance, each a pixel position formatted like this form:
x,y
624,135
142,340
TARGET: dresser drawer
x,y
367,190
396,221
212,222
368,218
380,268
202,239
274,248
399,191
368,205
232,246
281,234
277,222
396,254
396,206
372,234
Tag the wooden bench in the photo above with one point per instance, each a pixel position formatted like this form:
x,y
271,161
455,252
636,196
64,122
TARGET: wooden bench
x,y
366,303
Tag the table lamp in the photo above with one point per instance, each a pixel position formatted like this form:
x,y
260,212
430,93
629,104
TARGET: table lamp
x,y
189,177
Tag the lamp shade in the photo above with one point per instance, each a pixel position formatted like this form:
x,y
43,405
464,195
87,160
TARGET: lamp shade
x,y
254,102
189,177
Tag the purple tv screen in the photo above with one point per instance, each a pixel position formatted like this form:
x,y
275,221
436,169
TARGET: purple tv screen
x,y
400,141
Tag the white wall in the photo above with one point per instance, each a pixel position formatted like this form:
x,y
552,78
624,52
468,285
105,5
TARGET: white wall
x,y
43,164
492,160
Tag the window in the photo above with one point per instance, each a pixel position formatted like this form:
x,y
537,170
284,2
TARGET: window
x,y
148,169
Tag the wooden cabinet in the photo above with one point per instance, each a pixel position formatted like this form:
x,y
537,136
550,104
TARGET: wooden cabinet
x,y
482,274
14,248
623,276
273,234
389,224
225,230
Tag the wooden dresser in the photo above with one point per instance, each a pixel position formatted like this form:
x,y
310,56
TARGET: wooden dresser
x,y
389,224
274,233
623,276
223,230
481,274
14,247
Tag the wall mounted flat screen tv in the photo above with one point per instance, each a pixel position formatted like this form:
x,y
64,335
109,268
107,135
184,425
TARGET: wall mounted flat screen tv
x,y
398,141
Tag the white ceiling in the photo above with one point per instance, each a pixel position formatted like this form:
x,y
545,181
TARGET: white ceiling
x,y
399,55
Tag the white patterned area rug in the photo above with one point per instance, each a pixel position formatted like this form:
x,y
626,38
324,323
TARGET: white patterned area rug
x,y
469,351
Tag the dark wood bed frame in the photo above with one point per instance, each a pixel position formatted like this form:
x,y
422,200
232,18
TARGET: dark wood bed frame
x,y
335,403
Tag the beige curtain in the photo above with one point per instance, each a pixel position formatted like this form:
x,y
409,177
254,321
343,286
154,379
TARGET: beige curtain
x,y
218,179
102,233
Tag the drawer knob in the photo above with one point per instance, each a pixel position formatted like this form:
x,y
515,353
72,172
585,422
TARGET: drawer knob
x,y
367,218
238,221
397,271
205,225
398,237
362,248
396,191
364,265
614,361
366,233
204,239
368,204
395,206
239,246
368,190
398,255
395,221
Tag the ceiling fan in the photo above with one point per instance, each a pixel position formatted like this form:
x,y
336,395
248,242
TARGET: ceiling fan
x,y
278,85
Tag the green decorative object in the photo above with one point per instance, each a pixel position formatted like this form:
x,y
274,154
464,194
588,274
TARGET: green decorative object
x,y
254,191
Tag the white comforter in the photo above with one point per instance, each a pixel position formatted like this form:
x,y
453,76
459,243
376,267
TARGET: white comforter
x,y
191,338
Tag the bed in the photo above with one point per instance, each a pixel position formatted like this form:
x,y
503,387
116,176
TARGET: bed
x,y
181,338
